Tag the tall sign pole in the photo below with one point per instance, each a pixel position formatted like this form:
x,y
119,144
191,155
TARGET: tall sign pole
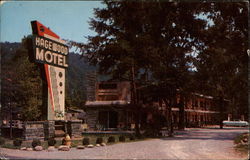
x,y
51,52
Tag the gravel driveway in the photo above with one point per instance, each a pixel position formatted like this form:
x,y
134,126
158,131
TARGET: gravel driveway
x,y
188,144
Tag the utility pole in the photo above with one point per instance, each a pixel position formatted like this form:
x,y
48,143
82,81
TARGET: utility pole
x,y
221,108
170,112
10,107
134,99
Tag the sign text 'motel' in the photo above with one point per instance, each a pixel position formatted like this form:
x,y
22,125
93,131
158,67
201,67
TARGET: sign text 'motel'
x,y
50,52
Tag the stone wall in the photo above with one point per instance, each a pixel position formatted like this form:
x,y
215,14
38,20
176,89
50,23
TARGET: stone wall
x,y
33,130
49,129
91,118
44,130
74,128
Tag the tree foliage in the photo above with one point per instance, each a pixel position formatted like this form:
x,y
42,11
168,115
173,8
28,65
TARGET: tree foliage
x,y
222,63
165,45
22,85
25,86
30,83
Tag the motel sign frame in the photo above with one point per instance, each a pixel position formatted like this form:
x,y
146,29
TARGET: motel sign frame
x,y
51,54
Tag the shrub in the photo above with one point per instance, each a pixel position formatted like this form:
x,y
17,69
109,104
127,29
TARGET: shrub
x,y
36,142
10,146
51,141
240,138
122,139
85,141
150,132
63,141
2,140
17,142
140,136
99,140
111,139
132,137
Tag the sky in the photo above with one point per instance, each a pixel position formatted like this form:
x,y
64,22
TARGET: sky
x,y
68,19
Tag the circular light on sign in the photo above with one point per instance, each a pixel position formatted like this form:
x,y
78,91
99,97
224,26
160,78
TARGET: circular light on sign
x,y
60,74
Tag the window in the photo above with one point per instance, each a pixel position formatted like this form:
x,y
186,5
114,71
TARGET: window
x,y
201,104
107,97
196,103
193,103
108,119
108,86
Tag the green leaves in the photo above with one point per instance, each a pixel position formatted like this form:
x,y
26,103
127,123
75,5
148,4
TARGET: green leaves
x,y
24,91
222,63
163,41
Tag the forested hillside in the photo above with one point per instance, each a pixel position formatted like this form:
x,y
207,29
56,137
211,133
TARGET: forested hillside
x,y
76,80
75,73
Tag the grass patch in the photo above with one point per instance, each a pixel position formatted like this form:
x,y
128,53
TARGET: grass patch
x,y
93,137
44,144
10,146
105,137
2,141
238,139
28,144
243,148
75,143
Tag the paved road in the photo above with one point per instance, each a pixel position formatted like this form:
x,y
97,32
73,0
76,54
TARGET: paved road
x,y
188,144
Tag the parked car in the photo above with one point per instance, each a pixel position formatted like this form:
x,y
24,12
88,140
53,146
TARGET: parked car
x,y
236,123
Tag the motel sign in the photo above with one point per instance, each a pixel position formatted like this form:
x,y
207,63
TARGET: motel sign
x,y
50,52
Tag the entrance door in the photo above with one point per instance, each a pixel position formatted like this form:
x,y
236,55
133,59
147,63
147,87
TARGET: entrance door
x,y
113,119
108,119
103,118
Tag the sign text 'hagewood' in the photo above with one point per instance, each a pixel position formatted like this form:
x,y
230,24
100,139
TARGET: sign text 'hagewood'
x,y
50,52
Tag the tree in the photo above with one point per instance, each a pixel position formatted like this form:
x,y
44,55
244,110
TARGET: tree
x,y
24,82
134,40
222,63
30,83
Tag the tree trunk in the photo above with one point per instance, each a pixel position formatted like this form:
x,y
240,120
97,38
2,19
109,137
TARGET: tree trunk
x,y
221,107
44,93
171,129
181,125
169,119
134,102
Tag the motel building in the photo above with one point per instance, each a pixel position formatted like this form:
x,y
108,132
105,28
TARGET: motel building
x,y
108,108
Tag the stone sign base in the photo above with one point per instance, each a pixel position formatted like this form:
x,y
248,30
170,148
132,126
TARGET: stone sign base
x,y
33,130
44,130
75,128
